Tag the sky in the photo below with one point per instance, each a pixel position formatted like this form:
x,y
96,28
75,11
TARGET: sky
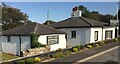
x,y
37,11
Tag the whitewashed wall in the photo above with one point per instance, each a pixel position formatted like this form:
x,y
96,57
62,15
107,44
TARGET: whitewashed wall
x,y
99,29
86,35
13,47
108,28
82,36
62,41
25,42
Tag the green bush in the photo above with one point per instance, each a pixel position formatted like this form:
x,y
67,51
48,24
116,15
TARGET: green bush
x,y
79,47
58,55
37,59
102,43
119,39
89,46
97,45
75,50
21,62
29,61
108,41
67,52
115,40
59,50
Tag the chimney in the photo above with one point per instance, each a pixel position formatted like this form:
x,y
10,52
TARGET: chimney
x,y
76,12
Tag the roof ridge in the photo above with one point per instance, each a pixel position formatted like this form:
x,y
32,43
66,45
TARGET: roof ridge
x,y
36,27
53,28
14,27
86,21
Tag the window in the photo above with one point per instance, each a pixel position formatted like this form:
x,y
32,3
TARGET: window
x,y
96,36
66,37
52,40
8,38
73,34
108,34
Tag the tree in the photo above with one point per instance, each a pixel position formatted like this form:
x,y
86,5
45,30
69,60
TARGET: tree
x,y
12,17
106,18
48,22
95,15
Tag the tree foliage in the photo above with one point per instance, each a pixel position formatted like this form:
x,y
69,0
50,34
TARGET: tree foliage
x,y
48,22
95,15
35,43
12,17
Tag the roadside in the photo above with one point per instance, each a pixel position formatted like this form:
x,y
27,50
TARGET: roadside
x,y
108,55
85,54
81,54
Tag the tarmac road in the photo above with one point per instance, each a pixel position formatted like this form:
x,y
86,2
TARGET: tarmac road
x,y
113,55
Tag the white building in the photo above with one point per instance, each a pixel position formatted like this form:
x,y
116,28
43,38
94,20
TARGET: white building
x,y
19,38
118,11
82,30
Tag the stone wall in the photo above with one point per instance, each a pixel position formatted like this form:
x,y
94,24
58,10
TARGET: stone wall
x,y
34,51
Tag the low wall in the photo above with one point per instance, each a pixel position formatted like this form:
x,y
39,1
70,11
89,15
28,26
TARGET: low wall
x,y
35,51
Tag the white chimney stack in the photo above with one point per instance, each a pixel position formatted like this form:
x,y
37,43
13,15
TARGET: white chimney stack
x,y
76,12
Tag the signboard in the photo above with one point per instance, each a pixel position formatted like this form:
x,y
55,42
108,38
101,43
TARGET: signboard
x,y
52,40
114,22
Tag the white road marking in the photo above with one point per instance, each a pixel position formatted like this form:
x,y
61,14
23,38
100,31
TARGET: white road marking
x,y
93,56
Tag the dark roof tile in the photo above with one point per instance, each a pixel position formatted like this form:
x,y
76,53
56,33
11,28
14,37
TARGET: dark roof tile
x,y
28,29
77,22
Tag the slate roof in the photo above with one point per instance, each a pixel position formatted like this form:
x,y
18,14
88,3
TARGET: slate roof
x,y
28,29
77,22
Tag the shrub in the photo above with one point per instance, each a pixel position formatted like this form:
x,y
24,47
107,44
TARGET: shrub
x,y
67,52
119,39
108,41
75,50
37,59
21,62
29,61
97,45
59,50
89,46
58,55
102,43
79,47
115,40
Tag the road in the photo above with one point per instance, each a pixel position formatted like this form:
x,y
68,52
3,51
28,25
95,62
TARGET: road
x,y
113,55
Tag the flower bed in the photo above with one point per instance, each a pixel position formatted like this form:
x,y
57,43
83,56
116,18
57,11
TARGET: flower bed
x,y
34,51
61,53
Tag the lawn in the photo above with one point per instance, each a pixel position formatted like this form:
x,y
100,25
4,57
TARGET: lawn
x,y
6,56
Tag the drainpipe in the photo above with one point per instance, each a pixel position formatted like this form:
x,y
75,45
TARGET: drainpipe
x,y
102,32
20,46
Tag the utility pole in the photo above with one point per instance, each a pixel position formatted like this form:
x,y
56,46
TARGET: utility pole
x,y
48,17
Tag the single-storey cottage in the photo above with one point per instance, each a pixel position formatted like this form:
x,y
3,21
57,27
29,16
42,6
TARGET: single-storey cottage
x,y
19,38
81,30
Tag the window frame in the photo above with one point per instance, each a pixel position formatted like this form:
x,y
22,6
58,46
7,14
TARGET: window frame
x,y
111,33
8,38
96,39
73,34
